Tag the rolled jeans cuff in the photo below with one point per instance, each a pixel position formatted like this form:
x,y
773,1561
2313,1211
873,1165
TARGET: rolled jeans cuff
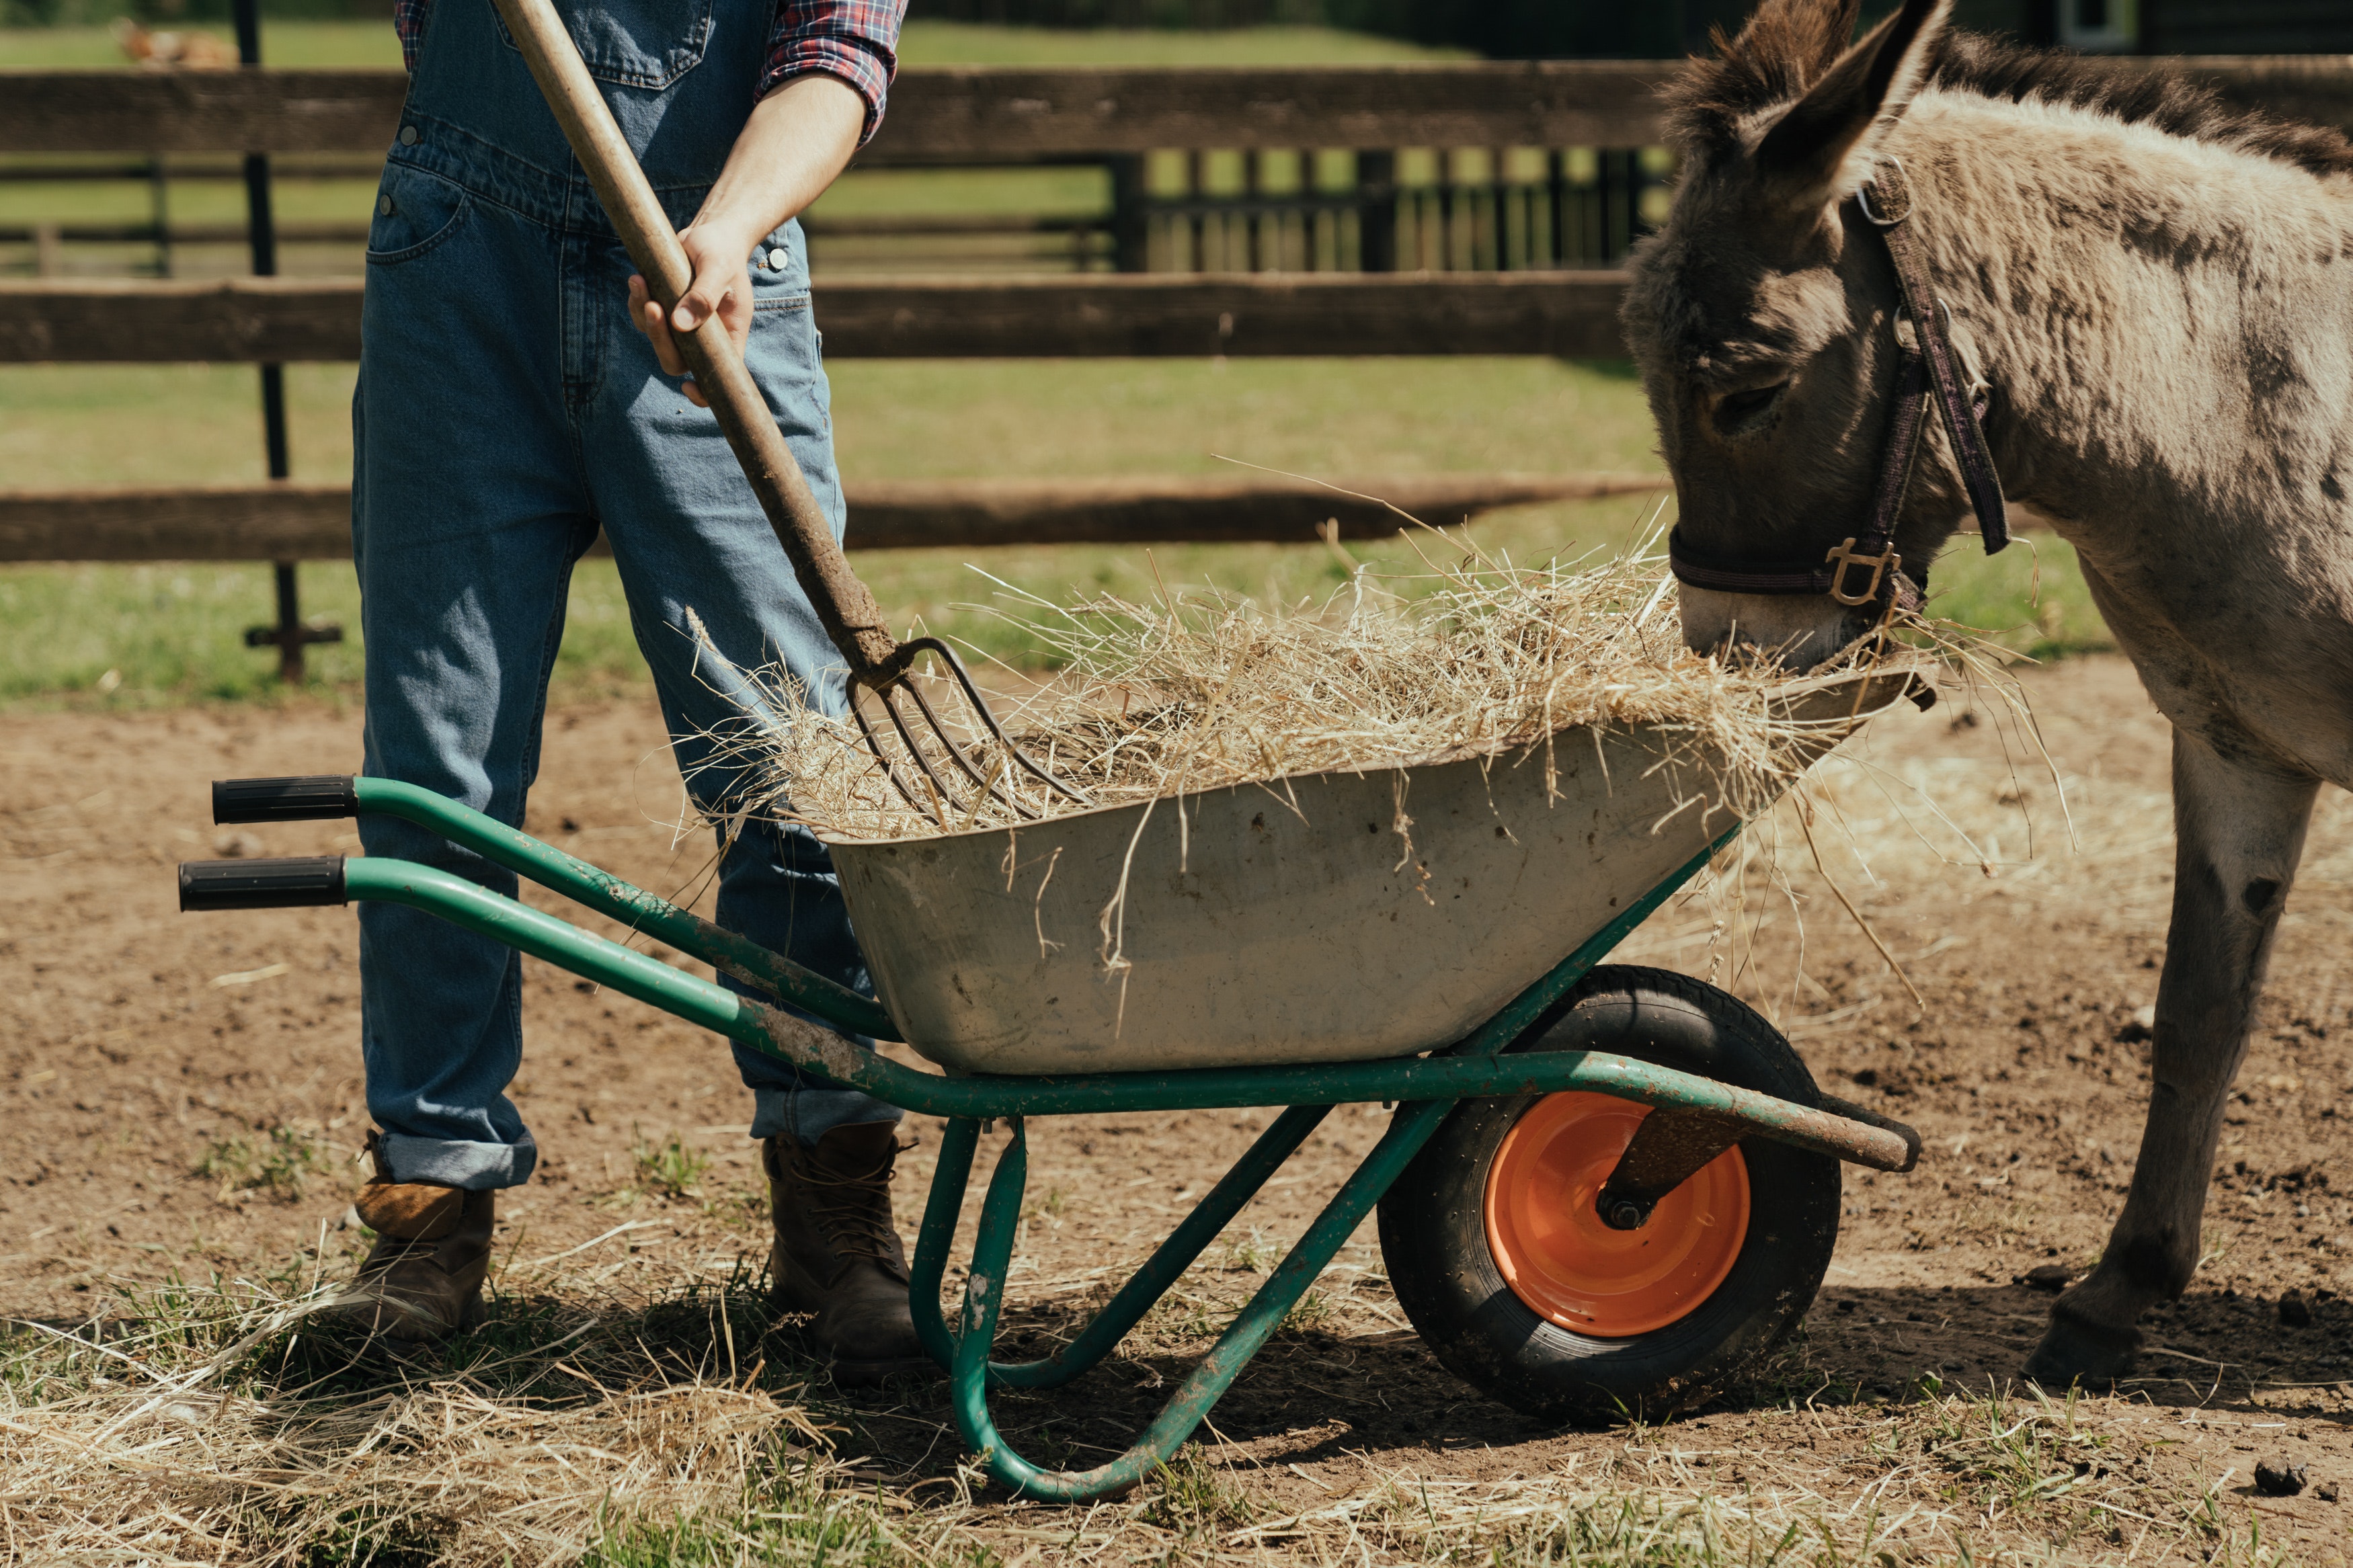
x,y
446,1163
806,1115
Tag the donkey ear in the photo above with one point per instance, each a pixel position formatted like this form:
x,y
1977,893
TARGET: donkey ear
x,y
1820,150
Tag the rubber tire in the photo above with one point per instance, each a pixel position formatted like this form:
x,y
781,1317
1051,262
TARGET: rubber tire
x,y
1434,1235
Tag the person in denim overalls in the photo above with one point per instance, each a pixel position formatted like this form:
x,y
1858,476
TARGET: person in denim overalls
x,y
517,393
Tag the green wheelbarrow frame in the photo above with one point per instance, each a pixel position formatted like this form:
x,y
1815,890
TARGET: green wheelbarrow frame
x,y
1425,1088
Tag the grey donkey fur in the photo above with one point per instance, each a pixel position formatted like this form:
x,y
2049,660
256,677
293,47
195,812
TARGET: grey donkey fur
x,y
2162,294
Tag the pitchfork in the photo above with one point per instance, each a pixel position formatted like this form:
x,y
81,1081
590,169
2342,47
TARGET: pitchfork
x,y
876,661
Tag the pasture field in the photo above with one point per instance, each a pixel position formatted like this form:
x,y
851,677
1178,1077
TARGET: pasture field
x,y
185,1103
111,638
288,42
145,636
185,1107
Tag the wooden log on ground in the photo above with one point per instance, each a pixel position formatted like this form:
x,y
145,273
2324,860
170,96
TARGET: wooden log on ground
x,y
291,320
890,514
312,522
974,113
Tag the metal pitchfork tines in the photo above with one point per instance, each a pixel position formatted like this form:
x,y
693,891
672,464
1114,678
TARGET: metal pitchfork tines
x,y
878,662
889,688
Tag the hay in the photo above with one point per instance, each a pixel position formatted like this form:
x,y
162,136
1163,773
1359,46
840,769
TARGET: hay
x,y
211,1424
1202,689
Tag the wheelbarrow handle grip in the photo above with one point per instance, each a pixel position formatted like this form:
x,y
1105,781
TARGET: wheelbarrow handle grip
x,y
310,797
849,614
310,880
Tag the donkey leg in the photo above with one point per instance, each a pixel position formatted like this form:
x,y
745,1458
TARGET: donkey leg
x,y
2239,830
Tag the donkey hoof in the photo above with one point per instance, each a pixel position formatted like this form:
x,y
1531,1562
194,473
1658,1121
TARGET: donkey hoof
x,y
2075,1351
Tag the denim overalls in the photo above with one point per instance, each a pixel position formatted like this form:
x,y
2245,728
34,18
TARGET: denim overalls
x,y
507,408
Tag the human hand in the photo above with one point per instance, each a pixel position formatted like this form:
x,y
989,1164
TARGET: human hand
x,y
721,286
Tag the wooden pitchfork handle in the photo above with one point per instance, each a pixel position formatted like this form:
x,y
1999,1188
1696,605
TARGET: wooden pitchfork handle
x,y
847,610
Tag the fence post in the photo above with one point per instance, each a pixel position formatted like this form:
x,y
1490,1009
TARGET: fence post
x,y
1377,211
1131,223
1556,200
159,199
289,635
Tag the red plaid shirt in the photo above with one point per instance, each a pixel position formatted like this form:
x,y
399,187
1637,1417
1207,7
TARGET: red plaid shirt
x,y
857,40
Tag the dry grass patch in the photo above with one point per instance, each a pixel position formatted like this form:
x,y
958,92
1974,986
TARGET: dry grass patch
x,y
216,1424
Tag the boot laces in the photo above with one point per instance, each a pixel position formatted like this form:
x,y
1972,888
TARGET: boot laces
x,y
852,1212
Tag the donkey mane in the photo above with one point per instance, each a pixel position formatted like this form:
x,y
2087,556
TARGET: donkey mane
x,y
1788,46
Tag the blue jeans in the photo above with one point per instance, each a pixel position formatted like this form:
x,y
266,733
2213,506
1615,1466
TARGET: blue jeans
x,y
506,409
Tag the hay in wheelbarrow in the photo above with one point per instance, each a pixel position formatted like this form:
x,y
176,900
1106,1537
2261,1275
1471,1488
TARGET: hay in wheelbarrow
x,y
1203,689
1328,832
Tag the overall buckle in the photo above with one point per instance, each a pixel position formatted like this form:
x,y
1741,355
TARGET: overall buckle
x,y
1881,565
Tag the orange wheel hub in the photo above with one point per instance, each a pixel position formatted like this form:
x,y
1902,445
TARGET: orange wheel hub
x,y
1568,1266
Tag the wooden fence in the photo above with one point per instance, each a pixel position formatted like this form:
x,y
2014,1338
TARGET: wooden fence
x,y
989,113
287,320
975,116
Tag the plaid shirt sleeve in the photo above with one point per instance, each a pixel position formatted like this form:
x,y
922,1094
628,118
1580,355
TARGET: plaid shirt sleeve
x,y
856,40
408,21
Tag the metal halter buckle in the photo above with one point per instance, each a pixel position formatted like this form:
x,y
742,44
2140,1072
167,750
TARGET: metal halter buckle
x,y
1862,199
1886,561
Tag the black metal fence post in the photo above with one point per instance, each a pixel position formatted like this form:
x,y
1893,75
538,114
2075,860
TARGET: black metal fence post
x,y
1377,211
1131,223
159,206
289,636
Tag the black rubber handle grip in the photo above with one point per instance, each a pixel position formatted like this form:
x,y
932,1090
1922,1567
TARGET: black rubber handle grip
x,y
311,798
261,884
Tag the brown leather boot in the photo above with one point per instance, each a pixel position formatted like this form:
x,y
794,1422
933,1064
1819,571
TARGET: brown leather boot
x,y
837,1255
423,1278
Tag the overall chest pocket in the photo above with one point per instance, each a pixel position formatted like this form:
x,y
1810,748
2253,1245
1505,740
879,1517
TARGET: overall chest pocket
x,y
416,212
633,43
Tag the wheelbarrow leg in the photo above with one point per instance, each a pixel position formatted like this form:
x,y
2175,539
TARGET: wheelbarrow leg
x,y
1149,1283
1000,1216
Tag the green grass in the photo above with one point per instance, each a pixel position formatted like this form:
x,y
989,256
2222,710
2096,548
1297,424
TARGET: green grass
x,y
971,44
284,43
149,634
173,633
372,43
1053,192
280,1162
2030,597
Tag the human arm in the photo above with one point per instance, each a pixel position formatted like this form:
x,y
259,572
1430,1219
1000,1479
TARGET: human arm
x,y
798,139
824,88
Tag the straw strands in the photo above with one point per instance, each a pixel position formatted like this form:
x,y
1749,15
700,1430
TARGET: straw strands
x,y
216,1426
1200,689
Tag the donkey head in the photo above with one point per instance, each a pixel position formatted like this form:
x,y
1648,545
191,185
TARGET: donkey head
x,y
1761,315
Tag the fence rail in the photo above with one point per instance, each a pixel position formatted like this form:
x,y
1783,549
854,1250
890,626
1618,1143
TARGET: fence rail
x,y
296,319
289,521
993,112
337,124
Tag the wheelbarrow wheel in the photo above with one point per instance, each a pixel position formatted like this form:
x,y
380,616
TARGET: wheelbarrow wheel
x,y
1497,1255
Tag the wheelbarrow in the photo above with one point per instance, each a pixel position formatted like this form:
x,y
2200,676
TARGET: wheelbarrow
x,y
1602,1189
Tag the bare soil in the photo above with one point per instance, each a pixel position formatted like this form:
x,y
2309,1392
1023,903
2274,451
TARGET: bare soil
x,y
139,1046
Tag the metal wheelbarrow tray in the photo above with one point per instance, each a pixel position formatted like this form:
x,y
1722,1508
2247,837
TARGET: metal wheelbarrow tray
x,y
1602,1189
1319,917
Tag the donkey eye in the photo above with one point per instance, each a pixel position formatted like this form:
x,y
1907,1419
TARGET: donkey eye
x,y
1735,409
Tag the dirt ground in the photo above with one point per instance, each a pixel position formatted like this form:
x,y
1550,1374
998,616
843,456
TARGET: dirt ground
x,y
141,1046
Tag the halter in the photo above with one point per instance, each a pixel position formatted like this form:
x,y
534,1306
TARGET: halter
x,y
1927,360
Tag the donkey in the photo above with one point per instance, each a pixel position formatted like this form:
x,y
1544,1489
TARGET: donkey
x,y
2160,293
